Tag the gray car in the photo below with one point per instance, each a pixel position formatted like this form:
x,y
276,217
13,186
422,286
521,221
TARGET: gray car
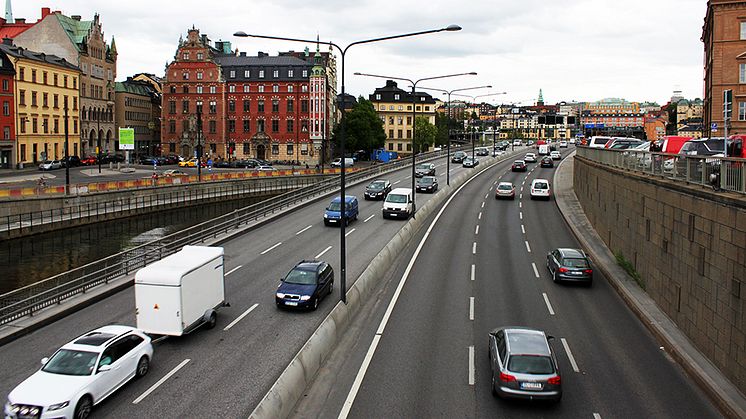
x,y
523,365
569,265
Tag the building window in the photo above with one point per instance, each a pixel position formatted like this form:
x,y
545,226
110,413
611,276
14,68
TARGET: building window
x,y
172,127
185,90
276,73
291,125
231,106
275,88
246,125
34,126
275,149
275,106
213,127
185,56
290,104
275,125
246,106
172,106
213,107
391,120
391,133
21,74
6,133
246,73
200,55
33,98
45,100
290,73
396,97
198,106
232,74
213,89
246,88
6,85
199,75
305,73
399,147
199,90
399,133
246,148
304,125
261,74
399,120
33,76
260,89
75,103
304,106
290,89
231,125
64,80
185,106
185,75
56,126
260,125
741,111
304,88
260,106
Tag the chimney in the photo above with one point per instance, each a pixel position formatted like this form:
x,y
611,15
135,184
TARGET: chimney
x,y
243,54
20,20
262,54
45,11
75,17
7,41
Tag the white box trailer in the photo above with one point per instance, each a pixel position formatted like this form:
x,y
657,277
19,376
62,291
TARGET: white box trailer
x,y
180,292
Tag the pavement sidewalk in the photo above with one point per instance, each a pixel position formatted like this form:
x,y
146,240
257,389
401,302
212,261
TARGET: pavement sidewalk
x,y
721,391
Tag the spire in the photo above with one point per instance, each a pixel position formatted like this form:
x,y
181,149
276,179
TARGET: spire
x,y
8,12
540,102
113,46
318,61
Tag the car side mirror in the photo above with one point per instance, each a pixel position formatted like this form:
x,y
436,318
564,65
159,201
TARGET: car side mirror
x,y
44,361
104,368
550,337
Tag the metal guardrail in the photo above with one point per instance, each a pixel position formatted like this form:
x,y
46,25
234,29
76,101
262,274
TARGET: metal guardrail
x,y
55,290
718,172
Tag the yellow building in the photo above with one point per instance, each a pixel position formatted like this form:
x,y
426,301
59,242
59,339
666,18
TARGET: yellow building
x,y
43,85
394,107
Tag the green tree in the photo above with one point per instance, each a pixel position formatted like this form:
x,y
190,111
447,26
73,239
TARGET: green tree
x,y
425,133
442,122
363,128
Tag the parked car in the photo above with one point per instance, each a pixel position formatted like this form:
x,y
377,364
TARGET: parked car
x,y
458,157
223,164
598,141
349,162
530,158
523,364
703,147
72,161
427,184
569,265
173,159
622,143
245,164
50,165
333,213
398,203
518,166
505,190
470,162
82,373
174,172
112,158
89,161
305,285
378,189
555,155
547,161
424,169
149,160
540,189
264,168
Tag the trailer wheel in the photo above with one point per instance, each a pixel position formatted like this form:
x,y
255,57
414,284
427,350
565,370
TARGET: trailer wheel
x,y
211,318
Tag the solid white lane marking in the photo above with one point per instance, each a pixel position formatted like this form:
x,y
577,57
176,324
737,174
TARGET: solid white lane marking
x,y
473,273
520,215
549,305
359,378
302,231
477,230
482,204
523,229
471,308
161,381
480,216
596,416
233,270
349,232
368,219
268,250
322,253
238,319
474,248
398,181
528,248
536,271
569,355
471,365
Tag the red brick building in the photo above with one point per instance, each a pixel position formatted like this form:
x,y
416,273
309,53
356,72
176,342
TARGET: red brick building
x,y
7,115
250,106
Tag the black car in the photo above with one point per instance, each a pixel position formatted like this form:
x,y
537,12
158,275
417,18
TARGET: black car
x,y
72,161
149,160
569,265
305,285
112,158
470,162
222,164
424,169
378,189
427,184
547,161
458,157
245,164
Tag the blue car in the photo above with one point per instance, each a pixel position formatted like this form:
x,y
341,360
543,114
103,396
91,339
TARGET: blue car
x,y
333,214
305,285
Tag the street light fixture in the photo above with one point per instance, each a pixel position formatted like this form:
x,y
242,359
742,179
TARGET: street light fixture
x,y
448,113
414,116
474,100
343,52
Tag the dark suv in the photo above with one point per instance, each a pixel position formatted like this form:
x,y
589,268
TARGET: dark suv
x,y
458,157
569,265
307,283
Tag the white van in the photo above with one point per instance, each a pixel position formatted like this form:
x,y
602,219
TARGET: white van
x,y
398,203
349,162
543,149
598,141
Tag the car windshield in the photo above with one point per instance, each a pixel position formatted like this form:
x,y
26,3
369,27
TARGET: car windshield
x,y
575,263
335,206
518,162
426,180
541,185
300,276
70,362
504,187
396,199
423,167
376,185
530,364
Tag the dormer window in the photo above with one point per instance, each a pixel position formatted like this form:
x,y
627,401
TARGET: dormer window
x,y
261,74
276,73
378,97
233,74
305,73
185,56
200,56
396,97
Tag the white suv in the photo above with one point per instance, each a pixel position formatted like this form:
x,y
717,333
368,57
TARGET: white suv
x,y
82,373
540,189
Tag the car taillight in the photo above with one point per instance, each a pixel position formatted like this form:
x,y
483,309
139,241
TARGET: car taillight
x,y
588,271
506,377
563,270
555,380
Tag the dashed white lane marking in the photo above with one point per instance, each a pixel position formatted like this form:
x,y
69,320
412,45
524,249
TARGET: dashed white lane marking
x,y
471,308
161,381
528,248
238,319
476,231
520,215
521,195
569,355
473,272
398,181
526,178
536,271
487,195
549,305
322,253
302,231
480,216
596,416
368,219
233,270
474,248
349,232
271,248
471,365
483,204
523,229
520,205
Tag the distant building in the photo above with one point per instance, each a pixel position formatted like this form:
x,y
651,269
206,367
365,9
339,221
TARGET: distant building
x,y
394,107
138,107
689,116
655,128
612,116
9,136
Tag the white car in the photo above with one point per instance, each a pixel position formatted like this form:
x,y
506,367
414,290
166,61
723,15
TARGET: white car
x,y
555,155
572,140
50,165
264,168
540,189
82,373
517,142
530,157
563,144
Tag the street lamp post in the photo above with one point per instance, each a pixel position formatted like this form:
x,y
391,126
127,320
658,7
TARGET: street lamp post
x,y
199,144
343,52
67,154
448,113
414,116
98,138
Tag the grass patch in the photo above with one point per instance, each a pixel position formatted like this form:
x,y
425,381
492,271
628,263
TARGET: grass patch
x,y
629,268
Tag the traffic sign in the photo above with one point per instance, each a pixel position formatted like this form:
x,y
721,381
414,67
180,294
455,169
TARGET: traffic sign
x,y
714,126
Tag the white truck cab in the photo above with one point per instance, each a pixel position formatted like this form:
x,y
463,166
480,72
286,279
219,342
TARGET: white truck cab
x,y
398,203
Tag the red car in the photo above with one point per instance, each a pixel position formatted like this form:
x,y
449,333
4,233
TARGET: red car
x,y
88,161
518,166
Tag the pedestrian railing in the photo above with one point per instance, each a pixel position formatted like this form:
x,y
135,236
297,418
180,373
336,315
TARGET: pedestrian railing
x,y
54,290
720,173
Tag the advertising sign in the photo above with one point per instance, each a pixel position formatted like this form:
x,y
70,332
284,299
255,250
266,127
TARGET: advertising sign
x,y
126,138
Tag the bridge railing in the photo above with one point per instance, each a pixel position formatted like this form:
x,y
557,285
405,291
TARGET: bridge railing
x,y
723,173
56,289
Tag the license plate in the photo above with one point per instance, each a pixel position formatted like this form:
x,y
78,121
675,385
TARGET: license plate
x,y
531,386
291,303
576,273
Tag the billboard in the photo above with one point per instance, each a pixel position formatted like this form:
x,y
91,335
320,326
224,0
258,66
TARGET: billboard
x,y
126,138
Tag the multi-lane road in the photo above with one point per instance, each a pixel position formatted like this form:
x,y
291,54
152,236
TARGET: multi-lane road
x,y
226,371
480,266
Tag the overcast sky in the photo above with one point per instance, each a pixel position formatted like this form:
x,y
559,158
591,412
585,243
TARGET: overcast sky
x,y
581,50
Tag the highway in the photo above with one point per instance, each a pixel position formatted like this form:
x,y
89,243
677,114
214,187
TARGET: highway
x,y
482,266
226,371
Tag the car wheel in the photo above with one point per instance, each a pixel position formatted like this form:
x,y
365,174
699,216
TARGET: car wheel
x,y
143,366
83,408
331,287
315,303
492,384
554,277
213,320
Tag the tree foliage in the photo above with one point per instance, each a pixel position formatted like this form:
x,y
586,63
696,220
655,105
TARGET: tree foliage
x,y
443,122
425,133
363,128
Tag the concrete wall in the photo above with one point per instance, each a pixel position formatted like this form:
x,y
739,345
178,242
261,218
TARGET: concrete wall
x,y
688,246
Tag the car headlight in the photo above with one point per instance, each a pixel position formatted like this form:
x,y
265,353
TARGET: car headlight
x,y
305,297
57,406
326,215
280,295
